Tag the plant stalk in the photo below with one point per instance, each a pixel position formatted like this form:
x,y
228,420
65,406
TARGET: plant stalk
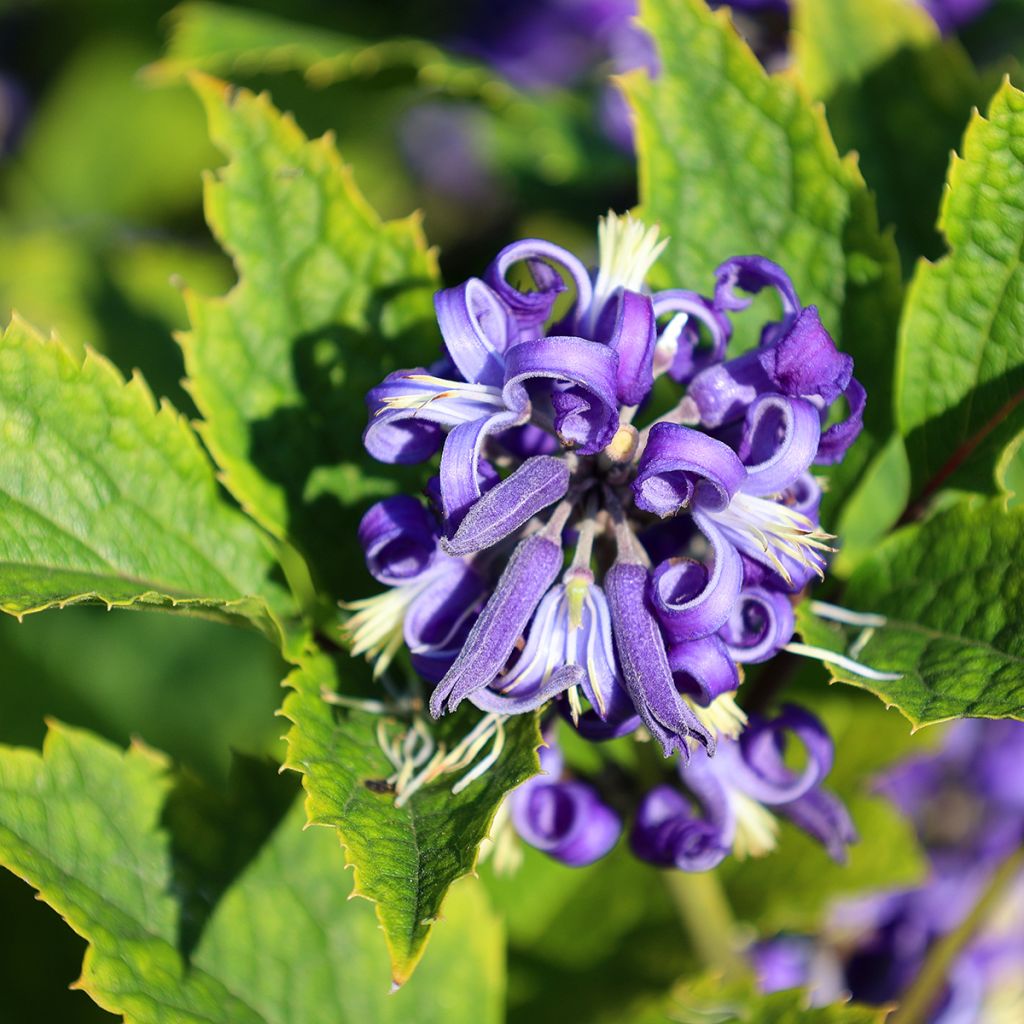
x,y
707,918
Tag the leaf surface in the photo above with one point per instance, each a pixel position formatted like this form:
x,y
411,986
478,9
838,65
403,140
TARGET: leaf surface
x,y
329,299
960,372
284,945
952,589
404,858
107,497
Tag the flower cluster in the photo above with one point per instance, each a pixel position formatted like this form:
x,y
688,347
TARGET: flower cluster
x,y
625,574
966,804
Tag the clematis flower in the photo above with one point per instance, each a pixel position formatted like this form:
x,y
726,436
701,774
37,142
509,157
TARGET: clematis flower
x,y
565,819
731,799
618,573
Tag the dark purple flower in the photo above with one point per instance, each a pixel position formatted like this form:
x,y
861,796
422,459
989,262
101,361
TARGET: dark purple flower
x,y
565,819
731,798
623,573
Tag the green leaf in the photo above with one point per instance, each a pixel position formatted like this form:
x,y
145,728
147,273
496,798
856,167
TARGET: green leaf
x,y
750,168
231,42
106,497
960,372
1010,471
840,40
329,299
404,858
283,945
710,1000
952,590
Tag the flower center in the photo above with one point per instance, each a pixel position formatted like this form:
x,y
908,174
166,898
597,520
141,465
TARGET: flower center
x,y
627,249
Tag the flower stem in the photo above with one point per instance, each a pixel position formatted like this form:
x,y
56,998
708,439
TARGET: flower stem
x,y
707,919
918,1001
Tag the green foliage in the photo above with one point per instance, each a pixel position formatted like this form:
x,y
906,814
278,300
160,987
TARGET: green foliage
x,y
710,1000
283,944
329,299
566,925
841,40
952,590
107,497
751,168
960,377
404,859
223,40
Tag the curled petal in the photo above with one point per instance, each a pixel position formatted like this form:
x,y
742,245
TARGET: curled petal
x,y
780,438
531,309
761,771
528,575
823,816
536,484
583,375
438,617
567,820
644,663
804,496
689,360
761,624
668,832
805,360
394,435
398,539
752,274
461,462
620,718
682,467
691,601
836,439
515,703
720,393
703,669
632,340
477,328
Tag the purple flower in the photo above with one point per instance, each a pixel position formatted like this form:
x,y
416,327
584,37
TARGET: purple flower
x,y
730,799
965,801
565,819
622,573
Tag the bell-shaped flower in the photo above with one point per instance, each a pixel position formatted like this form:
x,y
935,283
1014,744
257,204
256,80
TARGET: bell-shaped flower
x,y
734,500
730,799
565,819
569,645
796,358
432,597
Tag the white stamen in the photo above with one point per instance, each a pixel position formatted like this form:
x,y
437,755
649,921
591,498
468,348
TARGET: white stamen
x,y
823,654
376,629
850,618
777,530
757,829
723,716
474,396
627,249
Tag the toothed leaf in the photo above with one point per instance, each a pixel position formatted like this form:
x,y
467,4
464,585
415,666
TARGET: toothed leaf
x,y
960,374
106,497
952,589
404,858
836,41
284,945
329,299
